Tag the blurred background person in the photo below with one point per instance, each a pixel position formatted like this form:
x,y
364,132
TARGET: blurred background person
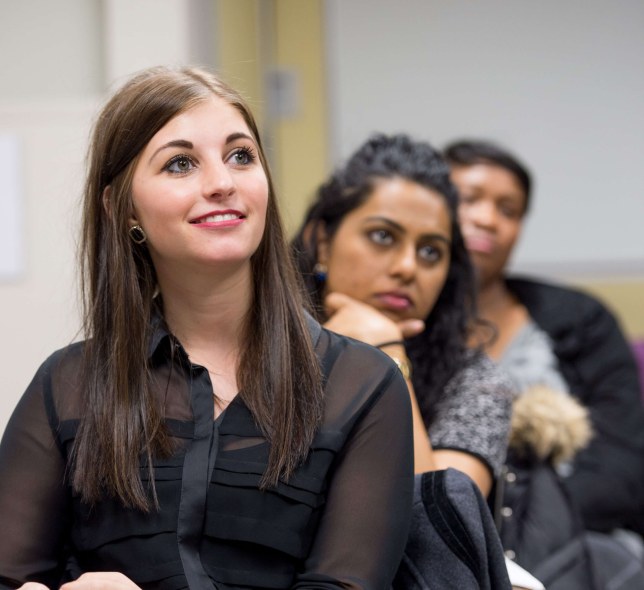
x,y
383,259
553,337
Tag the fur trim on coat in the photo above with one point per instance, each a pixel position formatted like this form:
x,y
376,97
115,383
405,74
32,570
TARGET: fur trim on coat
x,y
548,425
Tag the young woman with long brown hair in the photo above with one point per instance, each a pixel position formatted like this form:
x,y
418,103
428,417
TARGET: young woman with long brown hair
x,y
207,433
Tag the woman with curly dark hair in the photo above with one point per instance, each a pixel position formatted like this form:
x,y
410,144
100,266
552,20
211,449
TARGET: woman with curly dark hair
x,y
383,259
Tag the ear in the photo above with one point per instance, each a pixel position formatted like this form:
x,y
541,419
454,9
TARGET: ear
x,y
322,240
132,220
107,205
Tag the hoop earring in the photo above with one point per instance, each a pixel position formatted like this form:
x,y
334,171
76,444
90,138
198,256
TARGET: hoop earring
x,y
320,271
137,235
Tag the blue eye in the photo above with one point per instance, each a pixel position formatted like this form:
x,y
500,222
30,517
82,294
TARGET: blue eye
x,y
179,165
381,237
243,156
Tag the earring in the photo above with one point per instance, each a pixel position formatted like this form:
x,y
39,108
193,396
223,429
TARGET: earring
x,y
320,271
137,234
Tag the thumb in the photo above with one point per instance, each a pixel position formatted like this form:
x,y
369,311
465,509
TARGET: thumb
x,y
411,328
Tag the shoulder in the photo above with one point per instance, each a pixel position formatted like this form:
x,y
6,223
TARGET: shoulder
x,y
63,366
51,386
553,306
358,375
343,350
64,361
57,380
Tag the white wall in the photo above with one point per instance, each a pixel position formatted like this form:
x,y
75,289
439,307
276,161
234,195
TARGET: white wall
x,y
560,83
58,58
51,76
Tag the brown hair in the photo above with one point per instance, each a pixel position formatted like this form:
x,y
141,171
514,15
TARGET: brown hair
x,y
278,372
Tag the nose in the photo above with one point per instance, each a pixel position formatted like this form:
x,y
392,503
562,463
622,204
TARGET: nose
x,y
404,262
217,179
482,213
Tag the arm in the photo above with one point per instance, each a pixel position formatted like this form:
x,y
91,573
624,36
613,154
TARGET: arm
x,y
363,322
91,581
472,421
477,470
363,529
33,503
428,459
352,318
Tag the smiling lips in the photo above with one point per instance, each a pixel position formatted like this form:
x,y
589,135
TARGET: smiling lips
x,y
227,218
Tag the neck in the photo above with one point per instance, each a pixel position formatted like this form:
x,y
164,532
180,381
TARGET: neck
x,y
498,306
206,313
493,296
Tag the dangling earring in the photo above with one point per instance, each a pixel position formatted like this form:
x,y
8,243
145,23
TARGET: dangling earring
x,y
137,234
320,271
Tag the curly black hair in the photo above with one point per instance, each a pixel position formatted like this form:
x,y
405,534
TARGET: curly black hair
x,y
438,352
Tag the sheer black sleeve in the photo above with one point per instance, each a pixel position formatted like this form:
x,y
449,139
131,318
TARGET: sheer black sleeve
x,y
33,505
364,526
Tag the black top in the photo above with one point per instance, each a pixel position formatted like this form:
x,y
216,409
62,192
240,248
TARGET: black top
x,y
597,363
340,521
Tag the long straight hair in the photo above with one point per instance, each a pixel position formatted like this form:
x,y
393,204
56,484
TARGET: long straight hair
x,y
278,372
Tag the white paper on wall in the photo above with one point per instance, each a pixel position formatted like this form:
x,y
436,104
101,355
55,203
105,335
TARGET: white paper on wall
x,y
11,207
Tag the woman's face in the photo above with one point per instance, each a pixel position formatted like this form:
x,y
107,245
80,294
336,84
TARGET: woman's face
x,y
199,190
393,251
491,208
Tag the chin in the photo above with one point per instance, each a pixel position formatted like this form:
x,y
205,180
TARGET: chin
x,y
396,316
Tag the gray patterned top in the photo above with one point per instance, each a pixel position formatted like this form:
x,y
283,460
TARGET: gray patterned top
x,y
473,415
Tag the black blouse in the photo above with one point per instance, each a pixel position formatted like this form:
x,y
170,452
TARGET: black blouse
x,y
340,521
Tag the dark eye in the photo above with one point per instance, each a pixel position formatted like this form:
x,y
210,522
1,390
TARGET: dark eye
x,y
179,165
509,211
430,253
381,237
465,197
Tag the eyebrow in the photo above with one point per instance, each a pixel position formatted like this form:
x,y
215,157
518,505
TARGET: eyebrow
x,y
182,143
188,145
401,229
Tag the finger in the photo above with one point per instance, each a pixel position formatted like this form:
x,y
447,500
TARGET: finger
x,y
411,328
33,586
105,580
334,301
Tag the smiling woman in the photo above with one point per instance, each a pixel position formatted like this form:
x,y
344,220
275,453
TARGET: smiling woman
x,y
208,433
200,194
